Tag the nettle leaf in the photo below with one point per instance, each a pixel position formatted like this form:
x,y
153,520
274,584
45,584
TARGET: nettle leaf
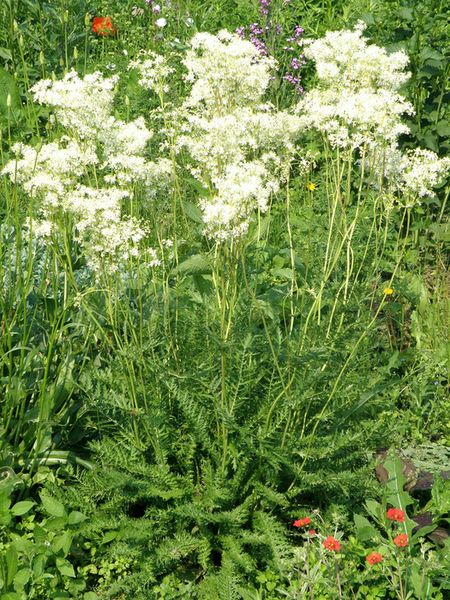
x,y
76,517
65,568
197,264
53,506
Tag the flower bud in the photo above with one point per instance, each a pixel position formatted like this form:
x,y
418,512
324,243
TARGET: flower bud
x,y
66,16
41,58
8,101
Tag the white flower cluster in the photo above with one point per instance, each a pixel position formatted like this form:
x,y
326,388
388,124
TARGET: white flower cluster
x,y
413,174
246,182
98,144
356,102
47,171
239,145
225,71
83,106
153,69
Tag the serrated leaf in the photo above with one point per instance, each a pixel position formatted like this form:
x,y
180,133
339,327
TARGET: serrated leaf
x,y
193,212
5,53
65,568
197,264
53,506
76,517
108,537
63,542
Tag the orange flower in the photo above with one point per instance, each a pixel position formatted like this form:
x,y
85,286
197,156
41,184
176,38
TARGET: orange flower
x,y
332,544
373,558
401,540
103,26
395,514
301,522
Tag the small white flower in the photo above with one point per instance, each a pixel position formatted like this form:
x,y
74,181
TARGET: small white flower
x,y
162,22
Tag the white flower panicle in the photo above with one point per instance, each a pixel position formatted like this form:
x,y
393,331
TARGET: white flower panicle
x,y
55,173
81,105
49,169
412,175
344,59
230,133
225,71
153,69
242,188
422,170
356,102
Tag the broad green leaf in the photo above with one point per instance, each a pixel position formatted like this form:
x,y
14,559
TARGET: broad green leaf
x,y
76,517
373,508
21,578
109,537
197,264
5,53
21,508
56,523
364,528
53,506
63,542
193,212
64,567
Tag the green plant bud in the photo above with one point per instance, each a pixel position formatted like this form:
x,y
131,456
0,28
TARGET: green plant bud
x,y
75,53
66,16
87,19
8,100
41,58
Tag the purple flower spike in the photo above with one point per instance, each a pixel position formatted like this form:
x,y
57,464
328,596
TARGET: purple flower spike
x,y
264,6
241,32
255,29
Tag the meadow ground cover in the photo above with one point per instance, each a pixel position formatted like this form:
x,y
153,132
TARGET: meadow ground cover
x,y
224,354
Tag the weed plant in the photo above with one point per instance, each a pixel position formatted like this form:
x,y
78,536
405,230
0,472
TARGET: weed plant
x,y
217,313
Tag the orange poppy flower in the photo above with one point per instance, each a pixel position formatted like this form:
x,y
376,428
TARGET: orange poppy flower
x,y
103,26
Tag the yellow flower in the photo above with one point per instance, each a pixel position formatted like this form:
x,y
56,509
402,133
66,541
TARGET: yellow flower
x,y
388,291
311,186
